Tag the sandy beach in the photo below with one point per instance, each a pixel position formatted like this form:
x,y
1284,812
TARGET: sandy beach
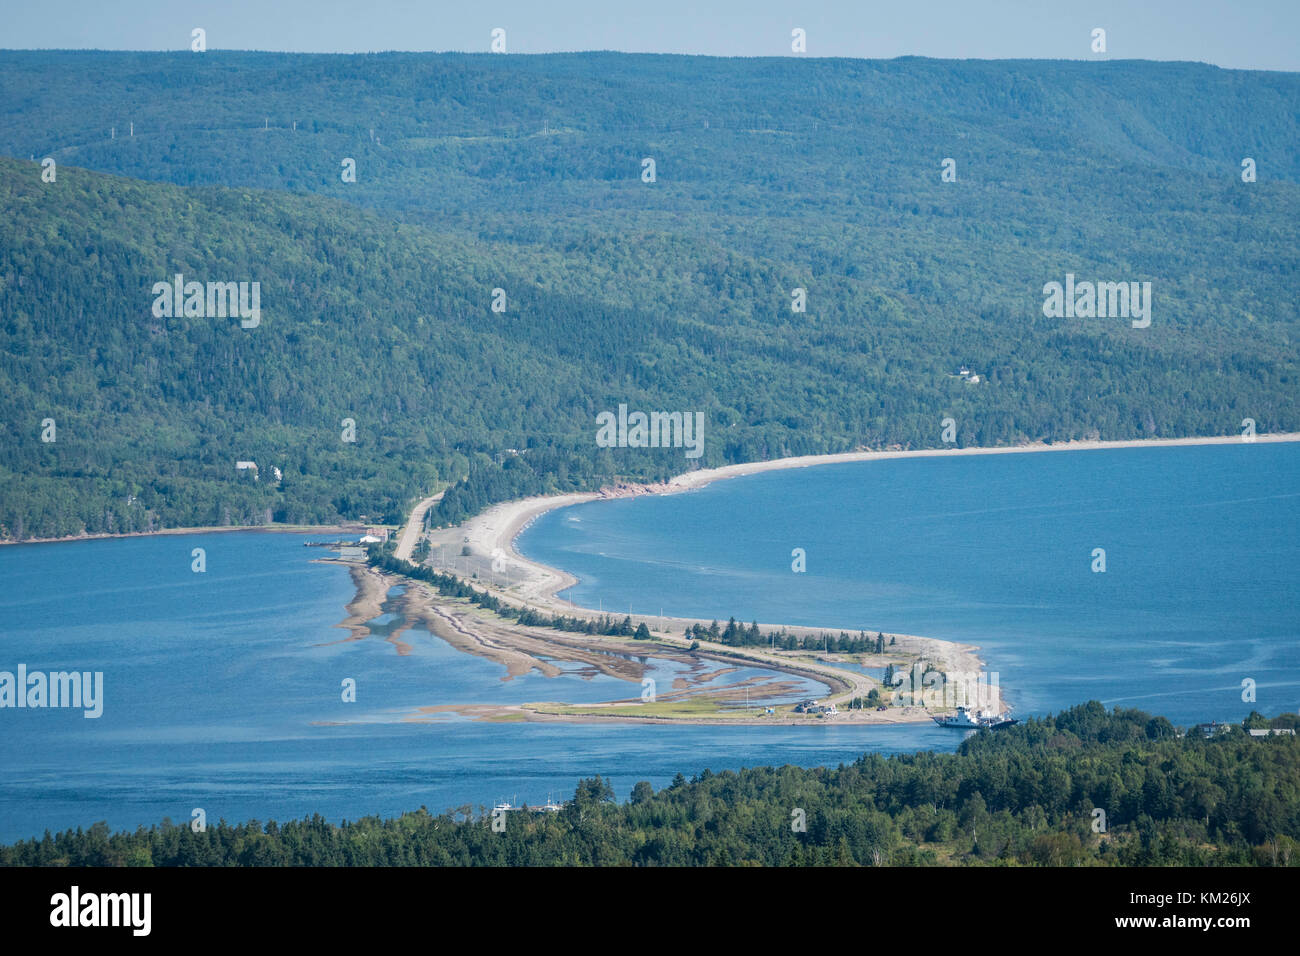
x,y
521,648
520,581
496,529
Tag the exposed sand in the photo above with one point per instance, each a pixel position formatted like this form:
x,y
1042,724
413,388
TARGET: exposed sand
x,y
497,528
372,592
523,582
703,476
520,649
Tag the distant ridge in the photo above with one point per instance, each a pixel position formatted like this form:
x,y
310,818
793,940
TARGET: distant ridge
x,y
524,174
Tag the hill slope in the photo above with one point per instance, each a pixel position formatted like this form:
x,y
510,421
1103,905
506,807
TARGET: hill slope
x,y
524,173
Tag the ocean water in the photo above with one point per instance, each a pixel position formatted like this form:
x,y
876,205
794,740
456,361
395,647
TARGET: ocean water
x,y
222,691
1200,592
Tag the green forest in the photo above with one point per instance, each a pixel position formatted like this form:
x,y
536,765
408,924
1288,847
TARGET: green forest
x,y
1086,787
525,174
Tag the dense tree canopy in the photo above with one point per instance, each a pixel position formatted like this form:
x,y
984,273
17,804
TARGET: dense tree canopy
x,y
523,174
1028,795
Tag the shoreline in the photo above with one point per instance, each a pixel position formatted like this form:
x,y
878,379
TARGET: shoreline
x,y
698,479
484,555
521,648
687,481
528,583
162,532
500,525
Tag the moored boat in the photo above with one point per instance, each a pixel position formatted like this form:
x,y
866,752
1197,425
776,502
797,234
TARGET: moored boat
x,y
967,719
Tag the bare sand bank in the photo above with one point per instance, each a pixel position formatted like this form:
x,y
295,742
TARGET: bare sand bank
x,y
496,529
493,562
698,694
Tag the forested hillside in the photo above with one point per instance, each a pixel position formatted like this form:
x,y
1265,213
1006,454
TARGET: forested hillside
x,y
525,174
1086,787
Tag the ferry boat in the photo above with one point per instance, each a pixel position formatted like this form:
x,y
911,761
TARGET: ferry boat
x,y
967,719
550,806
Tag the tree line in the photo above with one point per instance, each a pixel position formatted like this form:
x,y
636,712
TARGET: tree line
x,y
1029,795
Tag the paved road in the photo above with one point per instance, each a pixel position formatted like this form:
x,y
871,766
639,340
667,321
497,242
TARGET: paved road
x,y
411,533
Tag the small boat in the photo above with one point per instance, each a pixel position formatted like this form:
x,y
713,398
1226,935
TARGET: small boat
x,y
967,719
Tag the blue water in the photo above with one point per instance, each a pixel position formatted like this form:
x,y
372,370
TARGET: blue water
x,y
223,689
223,692
1201,589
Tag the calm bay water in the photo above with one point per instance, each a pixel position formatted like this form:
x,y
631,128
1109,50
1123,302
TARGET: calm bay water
x,y
1201,588
220,688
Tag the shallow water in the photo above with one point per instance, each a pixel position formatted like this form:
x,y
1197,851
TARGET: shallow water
x,y
221,690
1201,589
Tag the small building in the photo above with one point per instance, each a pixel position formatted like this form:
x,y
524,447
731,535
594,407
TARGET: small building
x,y
379,534
247,466
1271,731
368,539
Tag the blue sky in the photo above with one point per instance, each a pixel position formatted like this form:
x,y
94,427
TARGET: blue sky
x,y
1240,34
